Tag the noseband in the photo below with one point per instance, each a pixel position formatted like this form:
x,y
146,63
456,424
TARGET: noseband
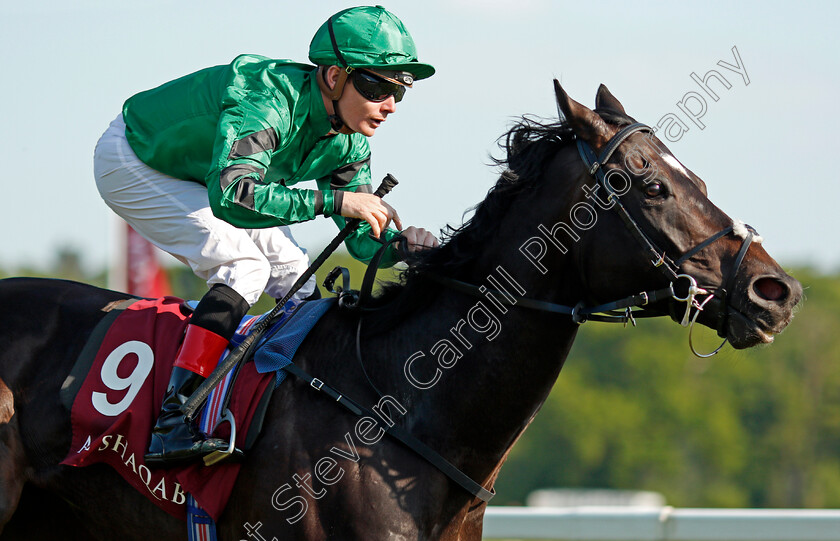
x,y
658,258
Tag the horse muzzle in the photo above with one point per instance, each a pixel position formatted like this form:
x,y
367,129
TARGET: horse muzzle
x,y
759,308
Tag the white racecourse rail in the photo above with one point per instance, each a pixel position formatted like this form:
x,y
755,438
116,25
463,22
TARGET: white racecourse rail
x,y
661,523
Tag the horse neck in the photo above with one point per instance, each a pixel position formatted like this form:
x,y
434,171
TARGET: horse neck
x,y
473,372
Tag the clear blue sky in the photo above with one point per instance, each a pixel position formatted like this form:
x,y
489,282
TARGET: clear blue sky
x,y
765,152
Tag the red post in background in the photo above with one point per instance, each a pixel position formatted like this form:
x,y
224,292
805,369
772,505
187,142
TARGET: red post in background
x,y
144,275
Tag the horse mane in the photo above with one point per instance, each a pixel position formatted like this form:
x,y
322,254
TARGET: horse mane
x,y
527,146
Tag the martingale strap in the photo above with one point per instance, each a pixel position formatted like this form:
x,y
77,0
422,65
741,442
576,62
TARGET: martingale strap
x,y
397,433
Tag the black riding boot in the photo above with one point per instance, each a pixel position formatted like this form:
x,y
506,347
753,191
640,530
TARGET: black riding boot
x,y
174,440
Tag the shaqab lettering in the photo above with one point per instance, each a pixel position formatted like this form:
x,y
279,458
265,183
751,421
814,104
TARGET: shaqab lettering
x,y
117,443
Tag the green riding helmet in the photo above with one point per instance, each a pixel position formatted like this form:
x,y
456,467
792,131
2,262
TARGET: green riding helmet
x,y
367,37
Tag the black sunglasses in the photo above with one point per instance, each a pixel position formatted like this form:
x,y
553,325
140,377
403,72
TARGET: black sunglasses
x,y
375,88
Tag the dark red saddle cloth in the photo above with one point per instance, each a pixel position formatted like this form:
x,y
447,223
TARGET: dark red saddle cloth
x,y
114,395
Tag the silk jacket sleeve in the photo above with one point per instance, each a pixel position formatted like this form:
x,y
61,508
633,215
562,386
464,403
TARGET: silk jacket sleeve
x,y
356,177
250,132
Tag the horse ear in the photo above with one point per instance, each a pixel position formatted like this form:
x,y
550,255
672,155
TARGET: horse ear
x,y
584,122
605,100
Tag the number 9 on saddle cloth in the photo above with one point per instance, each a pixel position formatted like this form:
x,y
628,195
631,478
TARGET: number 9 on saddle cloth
x,y
115,388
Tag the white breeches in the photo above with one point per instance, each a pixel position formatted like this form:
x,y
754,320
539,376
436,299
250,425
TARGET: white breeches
x,y
175,216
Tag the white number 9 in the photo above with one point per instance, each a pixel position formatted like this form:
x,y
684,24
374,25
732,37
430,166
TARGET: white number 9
x,y
134,381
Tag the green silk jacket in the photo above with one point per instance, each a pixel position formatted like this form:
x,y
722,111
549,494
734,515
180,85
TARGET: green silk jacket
x,y
250,131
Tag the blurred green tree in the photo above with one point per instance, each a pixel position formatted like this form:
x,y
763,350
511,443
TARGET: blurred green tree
x,y
634,409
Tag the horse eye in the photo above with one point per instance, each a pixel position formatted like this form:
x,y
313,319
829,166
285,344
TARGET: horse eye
x,y
653,189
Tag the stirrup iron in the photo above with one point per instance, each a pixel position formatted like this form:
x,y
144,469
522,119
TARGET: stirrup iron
x,y
217,456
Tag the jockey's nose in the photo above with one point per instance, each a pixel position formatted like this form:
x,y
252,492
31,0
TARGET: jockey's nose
x,y
390,105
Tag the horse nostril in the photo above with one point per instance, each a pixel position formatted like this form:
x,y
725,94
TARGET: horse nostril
x,y
770,289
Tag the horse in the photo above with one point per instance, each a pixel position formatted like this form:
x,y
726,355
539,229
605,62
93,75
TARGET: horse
x,y
460,353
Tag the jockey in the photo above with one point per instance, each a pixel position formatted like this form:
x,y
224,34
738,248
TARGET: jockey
x,y
204,168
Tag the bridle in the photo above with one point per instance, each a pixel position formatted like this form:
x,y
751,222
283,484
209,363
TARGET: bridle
x,y
670,268
620,311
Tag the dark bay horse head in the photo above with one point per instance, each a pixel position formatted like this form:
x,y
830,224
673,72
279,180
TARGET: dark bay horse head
x,y
637,221
664,226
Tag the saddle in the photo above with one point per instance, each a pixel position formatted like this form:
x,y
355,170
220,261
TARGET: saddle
x,y
115,388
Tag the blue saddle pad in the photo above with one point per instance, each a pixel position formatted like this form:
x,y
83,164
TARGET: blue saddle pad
x,y
278,349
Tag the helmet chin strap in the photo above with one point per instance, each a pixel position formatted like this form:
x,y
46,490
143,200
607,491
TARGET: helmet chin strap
x,y
334,94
